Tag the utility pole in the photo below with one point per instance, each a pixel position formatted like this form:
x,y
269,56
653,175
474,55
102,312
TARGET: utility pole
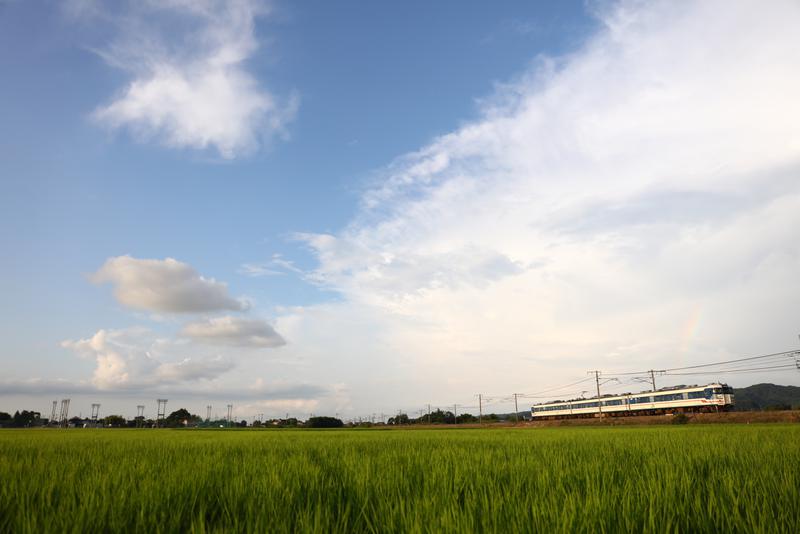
x,y
653,379
208,413
516,409
139,415
230,414
480,409
597,381
429,413
53,413
455,414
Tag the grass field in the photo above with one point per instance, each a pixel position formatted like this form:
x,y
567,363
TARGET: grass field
x,y
731,478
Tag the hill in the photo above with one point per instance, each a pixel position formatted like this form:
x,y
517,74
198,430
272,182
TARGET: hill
x,y
767,397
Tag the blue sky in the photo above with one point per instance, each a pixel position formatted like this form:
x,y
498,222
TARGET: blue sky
x,y
370,195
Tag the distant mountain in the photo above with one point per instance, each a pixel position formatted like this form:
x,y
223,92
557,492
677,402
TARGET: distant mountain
x,y
767,397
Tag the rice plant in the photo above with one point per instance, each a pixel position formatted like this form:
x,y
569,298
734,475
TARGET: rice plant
x,y
732,478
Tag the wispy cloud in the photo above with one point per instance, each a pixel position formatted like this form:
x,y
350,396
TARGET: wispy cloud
x,y
276,266
189,85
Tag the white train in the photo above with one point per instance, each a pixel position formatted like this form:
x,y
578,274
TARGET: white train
x,y
714,397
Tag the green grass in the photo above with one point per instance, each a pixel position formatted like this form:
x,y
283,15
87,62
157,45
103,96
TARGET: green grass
x,y
727,478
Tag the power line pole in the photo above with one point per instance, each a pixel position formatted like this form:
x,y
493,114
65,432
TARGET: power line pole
x,y
597,381
429,413
53,413
230,414
516,409
208,413
653,379
139,415
480,409
455,414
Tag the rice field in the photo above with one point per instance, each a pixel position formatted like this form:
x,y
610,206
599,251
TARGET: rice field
x,y
698,478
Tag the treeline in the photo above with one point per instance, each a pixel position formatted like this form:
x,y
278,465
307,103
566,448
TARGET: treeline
x,y
21,419
444,417
181,418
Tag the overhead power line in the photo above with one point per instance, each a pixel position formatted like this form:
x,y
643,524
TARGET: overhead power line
x,y
727,371
777,356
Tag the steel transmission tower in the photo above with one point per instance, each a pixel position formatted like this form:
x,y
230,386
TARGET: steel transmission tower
x,y
53,414
63,418
95,414
161,413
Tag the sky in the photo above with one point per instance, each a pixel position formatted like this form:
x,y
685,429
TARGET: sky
x,y
357,208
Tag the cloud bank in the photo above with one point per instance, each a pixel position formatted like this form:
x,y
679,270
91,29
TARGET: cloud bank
x,y
164,286
633,203
135,359
189,85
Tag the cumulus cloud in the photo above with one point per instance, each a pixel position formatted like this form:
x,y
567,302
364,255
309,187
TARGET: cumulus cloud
x,y
134,359
164,286
234,331
189,86
632,203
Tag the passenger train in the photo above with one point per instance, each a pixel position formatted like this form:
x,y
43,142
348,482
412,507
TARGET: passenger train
x,y
714,397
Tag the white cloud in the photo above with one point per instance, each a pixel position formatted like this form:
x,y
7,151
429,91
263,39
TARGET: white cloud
x,y
189,86
164,286
134,358
634,203
233,331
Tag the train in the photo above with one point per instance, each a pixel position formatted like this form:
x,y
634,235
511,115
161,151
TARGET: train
x,y
714,397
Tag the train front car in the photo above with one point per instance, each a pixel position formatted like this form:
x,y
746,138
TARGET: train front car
x,y
720,395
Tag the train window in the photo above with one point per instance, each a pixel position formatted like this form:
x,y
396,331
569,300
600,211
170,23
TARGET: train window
x,y
697,394
638,400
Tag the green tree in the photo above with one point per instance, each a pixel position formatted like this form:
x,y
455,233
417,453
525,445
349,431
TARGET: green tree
x,y
114,421
25,419
399,419
181,417
324,422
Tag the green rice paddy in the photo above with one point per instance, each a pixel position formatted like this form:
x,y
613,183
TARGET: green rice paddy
x,y
694,478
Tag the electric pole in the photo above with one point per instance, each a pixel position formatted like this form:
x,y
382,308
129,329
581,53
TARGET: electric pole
x,y
480,409
597,381
429,413
653,379
516,409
